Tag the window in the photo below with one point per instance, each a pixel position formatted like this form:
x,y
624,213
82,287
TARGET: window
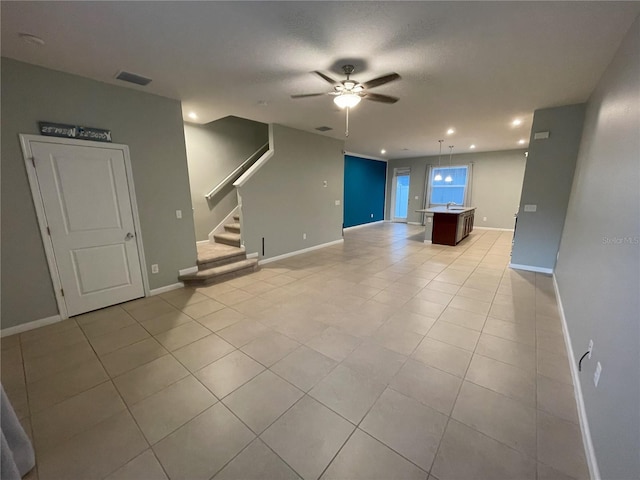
x,y
443,192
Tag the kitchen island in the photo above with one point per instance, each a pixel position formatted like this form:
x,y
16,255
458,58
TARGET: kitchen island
x,y
448,226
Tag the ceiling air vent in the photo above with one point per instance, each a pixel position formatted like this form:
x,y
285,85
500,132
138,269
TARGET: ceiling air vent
x,y
133,78
324,129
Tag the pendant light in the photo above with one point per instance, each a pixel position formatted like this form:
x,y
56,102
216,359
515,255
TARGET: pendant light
x,y
449,178
438,177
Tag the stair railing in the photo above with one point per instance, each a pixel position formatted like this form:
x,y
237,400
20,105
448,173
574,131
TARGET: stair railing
x,y
244,166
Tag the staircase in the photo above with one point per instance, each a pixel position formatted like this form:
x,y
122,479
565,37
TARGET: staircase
x,y
222,260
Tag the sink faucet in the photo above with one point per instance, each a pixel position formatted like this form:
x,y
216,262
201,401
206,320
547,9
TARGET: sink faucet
x,y
450,204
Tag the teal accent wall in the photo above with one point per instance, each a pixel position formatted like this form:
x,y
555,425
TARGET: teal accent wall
x,y
364,188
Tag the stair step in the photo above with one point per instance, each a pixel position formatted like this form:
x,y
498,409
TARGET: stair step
x,y
236,218
221,273
232,227
227,238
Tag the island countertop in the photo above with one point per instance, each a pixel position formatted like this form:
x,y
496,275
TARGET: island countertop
x,y
455,210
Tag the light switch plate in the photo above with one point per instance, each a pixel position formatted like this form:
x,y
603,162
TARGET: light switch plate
x,y
530,208
337,202
178,213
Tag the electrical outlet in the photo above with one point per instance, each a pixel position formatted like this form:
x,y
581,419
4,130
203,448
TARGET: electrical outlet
x,y
484,219
304,236
596,375
154,268
590,349
372,215
178,213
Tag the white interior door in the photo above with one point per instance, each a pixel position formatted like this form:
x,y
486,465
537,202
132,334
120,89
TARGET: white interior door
x,y
85,195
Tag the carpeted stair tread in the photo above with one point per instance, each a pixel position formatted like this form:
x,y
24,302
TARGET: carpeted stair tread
x,y
222,272
228,238
232,228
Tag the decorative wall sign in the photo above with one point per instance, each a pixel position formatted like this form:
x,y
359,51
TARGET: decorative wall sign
x,y
74,131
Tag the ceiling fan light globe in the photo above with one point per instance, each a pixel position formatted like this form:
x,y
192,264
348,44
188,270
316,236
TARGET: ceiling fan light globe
x,y
438,177
448,179
347,100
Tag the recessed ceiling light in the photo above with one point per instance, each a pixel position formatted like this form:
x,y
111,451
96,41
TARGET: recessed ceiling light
x,y
450,131
472,147
516,122
383,151
31,39
522,141
193,115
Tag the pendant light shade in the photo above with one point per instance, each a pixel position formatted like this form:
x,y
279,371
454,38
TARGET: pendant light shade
x,y
347,100
449,178
438,177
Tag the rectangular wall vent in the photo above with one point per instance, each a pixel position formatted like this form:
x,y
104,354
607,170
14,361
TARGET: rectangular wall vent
x,y
133,78
324,129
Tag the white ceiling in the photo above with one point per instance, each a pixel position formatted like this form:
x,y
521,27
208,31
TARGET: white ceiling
x,y
474,66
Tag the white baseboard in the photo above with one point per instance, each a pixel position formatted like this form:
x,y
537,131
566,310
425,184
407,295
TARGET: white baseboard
x,y
362,225
590,453
428,242
415,223
187,271
494,229
252,255
5,332
166,288
203,242
530,268
299,252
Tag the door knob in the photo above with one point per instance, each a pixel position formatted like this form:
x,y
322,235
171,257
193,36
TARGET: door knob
x,y
129,236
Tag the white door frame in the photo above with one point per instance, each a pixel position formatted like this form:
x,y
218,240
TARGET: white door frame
x,y
401,171
25,142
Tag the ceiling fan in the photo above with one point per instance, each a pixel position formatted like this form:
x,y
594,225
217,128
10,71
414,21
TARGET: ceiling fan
x,y
348,93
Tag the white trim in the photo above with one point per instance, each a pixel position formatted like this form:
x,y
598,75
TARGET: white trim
x,y
252,255
530,268
203,242
428,242
27,154
590,453
366,157
299,252
414,223
235,173
188,271
166,288
220,227
259,163
494,228
363,225
5,332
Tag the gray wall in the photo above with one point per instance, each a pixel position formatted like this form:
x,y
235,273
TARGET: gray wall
x,y
286,197
214,150
547,184
496,185
598,270
152,127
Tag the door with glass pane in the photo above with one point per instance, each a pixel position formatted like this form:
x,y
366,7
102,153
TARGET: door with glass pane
x,y
400,195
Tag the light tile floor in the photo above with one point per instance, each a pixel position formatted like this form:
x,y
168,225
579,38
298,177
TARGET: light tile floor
x,y
382,358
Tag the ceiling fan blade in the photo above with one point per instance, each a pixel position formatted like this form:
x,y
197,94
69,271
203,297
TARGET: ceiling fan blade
x,y
326,78
304,95
376,97
376,82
